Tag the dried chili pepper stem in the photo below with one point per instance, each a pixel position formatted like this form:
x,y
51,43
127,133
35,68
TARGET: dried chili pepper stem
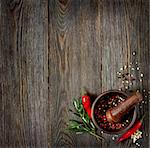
x,y
131,131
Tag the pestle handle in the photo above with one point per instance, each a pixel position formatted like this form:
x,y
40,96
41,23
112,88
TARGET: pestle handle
x,y
116,113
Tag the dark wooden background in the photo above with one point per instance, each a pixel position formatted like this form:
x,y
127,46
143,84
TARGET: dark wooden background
x,y
50,49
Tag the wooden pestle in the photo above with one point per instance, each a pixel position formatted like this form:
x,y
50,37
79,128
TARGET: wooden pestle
x,y
116,113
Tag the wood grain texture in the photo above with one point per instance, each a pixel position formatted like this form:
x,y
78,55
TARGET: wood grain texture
x,y
50,49
24,73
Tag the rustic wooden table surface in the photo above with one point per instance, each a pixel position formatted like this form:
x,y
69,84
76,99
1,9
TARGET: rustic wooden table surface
x,y
50,49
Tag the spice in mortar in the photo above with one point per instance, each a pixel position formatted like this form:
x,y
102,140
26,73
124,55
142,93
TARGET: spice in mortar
x,y
106,102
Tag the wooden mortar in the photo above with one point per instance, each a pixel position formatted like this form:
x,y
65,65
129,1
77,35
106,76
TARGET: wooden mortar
x,y
116,113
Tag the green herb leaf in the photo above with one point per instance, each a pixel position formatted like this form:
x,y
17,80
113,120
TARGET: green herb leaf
x,y
87,118
75,104
75,113
78,133
85,125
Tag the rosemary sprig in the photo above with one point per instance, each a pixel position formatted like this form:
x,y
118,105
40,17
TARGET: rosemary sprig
x,y
85,125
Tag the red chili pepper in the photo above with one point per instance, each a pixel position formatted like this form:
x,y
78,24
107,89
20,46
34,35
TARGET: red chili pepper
x,y
131,131
89,113
86,102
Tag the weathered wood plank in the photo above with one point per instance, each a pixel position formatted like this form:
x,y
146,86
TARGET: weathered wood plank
x,y
24,47
139,38
70,67
59,72
125,35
